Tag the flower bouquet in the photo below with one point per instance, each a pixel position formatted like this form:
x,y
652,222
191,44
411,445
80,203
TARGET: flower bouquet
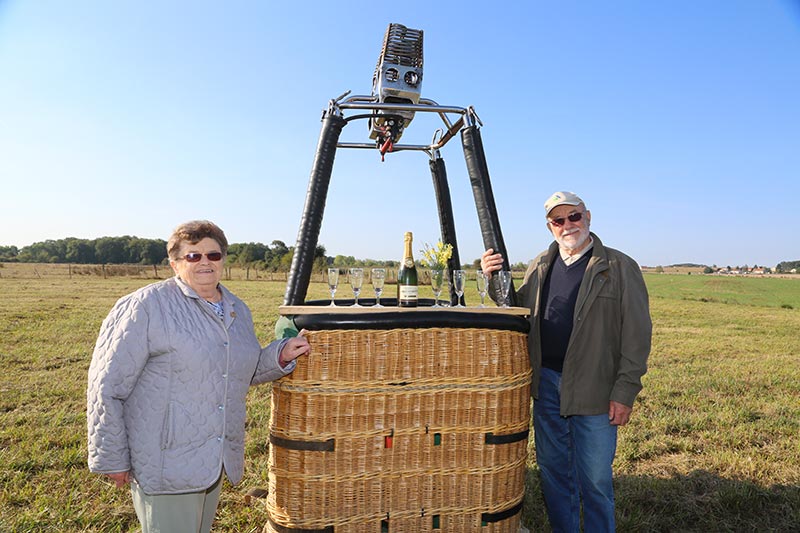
x,y
435,258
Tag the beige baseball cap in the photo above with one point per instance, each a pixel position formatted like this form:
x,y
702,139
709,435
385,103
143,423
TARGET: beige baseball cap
x,y
561,198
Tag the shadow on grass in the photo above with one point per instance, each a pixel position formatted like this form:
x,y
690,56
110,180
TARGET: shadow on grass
x,y
698,502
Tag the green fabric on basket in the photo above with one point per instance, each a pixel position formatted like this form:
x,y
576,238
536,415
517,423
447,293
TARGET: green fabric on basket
x,y
285,327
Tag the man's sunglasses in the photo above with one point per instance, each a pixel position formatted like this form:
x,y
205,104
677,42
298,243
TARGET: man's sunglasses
x,y
574,217
194,257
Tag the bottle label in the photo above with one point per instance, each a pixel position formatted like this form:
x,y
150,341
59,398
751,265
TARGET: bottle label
x,y
408,262
409,292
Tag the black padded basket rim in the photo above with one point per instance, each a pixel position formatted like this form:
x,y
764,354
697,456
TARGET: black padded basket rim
x,y
440,318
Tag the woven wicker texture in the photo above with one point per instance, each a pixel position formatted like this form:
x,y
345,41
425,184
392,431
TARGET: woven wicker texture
x,y
405,416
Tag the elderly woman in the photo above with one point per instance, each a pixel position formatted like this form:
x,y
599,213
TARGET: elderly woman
x,y
167,385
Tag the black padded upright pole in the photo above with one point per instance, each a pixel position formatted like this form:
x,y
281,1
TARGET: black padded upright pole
x,y
484,199
310,223
446,220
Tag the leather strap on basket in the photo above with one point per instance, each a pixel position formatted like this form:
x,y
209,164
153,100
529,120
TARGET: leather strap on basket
x,y
491,438
501,515
303,445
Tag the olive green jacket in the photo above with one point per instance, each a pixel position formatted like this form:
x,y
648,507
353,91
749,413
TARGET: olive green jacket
x,y
610,342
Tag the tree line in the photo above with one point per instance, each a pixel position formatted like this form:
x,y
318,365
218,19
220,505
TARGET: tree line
x,y
788,266
104,250
275,257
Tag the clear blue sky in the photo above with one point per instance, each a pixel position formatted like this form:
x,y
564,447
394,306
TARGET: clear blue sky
x,y
677,122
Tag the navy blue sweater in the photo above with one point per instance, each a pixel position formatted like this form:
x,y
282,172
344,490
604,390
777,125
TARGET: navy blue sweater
x,y
559,294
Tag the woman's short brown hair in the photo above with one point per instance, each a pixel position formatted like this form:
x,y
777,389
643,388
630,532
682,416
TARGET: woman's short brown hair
x,y
193,232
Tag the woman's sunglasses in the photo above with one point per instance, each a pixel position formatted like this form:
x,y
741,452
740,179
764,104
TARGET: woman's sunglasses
x,y
194,257
558,222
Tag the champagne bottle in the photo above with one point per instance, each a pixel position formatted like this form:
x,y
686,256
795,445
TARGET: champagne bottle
x,y
407,289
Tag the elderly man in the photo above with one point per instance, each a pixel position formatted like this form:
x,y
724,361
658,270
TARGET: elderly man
x,y
589,343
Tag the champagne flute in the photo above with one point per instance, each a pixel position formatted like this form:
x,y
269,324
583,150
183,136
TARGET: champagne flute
x,y
333,282
378,276
459,278
437,281
356,279
505,285
482,282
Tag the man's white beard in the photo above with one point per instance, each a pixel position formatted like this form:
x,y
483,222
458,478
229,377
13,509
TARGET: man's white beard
x,y
574,239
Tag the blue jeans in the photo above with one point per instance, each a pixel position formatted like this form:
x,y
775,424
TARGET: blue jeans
x,y
574,454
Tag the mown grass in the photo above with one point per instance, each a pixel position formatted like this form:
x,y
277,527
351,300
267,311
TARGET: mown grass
x,y
761,291
714,444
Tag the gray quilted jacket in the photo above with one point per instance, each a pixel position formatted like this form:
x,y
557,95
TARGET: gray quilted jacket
x,y
167,386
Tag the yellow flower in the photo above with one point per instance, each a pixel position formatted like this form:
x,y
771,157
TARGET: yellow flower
x,y
436,257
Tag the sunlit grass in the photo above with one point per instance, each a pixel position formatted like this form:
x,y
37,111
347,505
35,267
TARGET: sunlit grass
x,y
713,445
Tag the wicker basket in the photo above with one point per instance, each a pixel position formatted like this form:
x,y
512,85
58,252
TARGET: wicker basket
x,y
401,430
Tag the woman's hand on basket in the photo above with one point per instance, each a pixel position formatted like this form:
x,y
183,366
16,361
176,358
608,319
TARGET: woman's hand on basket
x,y
294,348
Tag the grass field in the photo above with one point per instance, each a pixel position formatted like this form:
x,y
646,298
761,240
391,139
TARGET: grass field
x,y
714,444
